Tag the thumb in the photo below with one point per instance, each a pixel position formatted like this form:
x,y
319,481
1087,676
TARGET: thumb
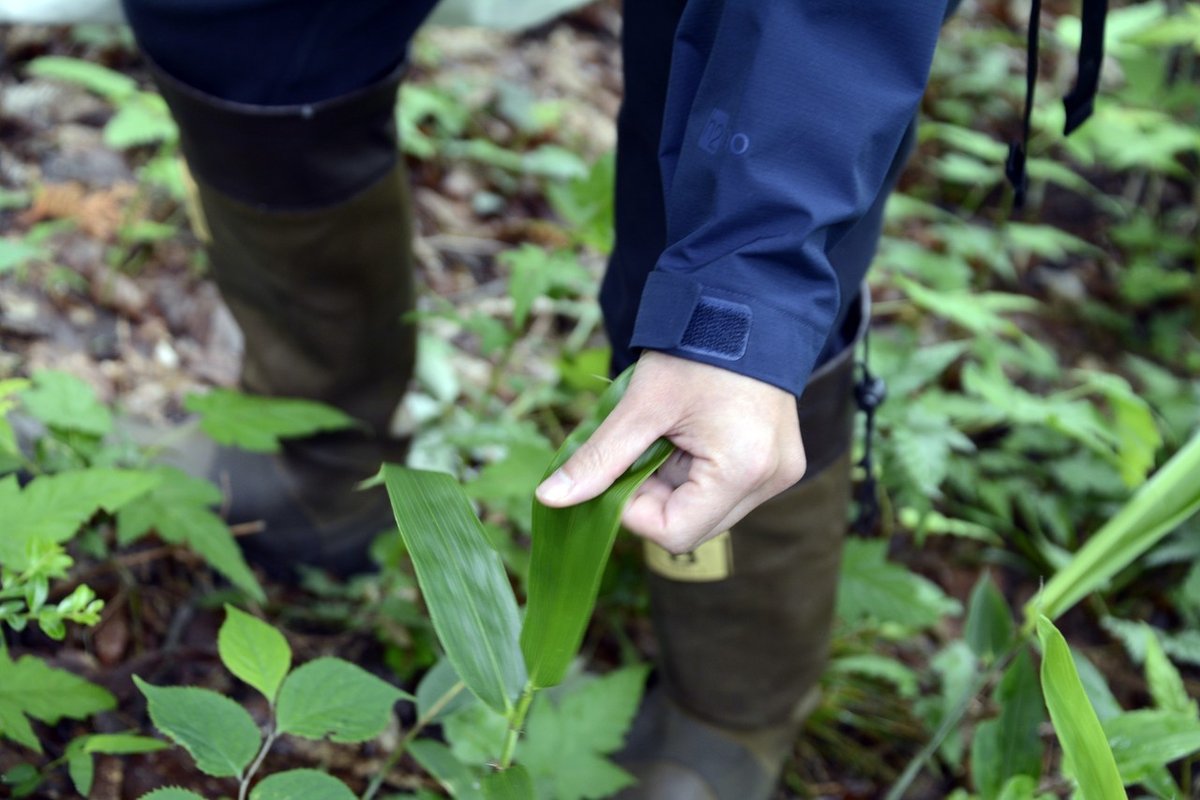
x,y
599,461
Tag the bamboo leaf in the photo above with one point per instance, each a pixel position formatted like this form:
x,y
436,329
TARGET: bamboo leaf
x,y
989,626
570,548
1075,723
1163,502
462,580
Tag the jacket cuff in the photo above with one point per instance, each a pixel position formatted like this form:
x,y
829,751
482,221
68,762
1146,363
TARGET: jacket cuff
x,y
683,317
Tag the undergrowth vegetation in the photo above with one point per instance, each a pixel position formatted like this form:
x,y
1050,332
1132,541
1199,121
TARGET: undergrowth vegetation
x,y
1023,620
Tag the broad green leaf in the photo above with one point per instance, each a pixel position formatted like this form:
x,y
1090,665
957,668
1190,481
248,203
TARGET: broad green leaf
x,y
1159,506
566,742
52,508
301,784
1009,745
454,776
1083,741
63,401
257,423
334,698
254,651
1143,741
476,734
31,688
1166,684
462,580
989,628
178,509
510,784
171,793
218,733
107,83
874,588
441,692
570,548
80,765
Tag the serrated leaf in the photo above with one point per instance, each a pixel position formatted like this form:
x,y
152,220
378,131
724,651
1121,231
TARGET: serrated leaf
x,y
1009,745
1078,730
171,793
31,688
513,783
989,627
334,698
476,734
565,743
872,587
462,581
254,651
570,549
218,733
301,784
65,402
453,775
52,508
441,692
177,508
1166,684
257,423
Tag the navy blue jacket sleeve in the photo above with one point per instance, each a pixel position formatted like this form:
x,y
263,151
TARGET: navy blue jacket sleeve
x,y
782,119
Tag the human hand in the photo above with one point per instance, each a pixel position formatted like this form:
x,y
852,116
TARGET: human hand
x,y
737,439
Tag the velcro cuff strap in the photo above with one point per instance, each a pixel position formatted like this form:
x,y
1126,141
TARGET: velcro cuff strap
x,y
717,326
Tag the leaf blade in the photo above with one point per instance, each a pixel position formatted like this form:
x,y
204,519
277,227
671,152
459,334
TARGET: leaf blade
x,y
463,582
254,651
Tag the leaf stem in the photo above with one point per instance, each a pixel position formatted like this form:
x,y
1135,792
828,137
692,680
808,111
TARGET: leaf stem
x,y
394,758
244,782
516,721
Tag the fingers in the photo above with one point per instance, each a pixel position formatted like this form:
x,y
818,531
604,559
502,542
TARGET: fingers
x,y
603,458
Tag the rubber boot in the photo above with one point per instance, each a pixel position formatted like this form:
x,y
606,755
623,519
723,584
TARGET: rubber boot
x,y
307,215
743,623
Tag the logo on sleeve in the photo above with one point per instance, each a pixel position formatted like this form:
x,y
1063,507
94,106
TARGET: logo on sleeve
x,y
717,136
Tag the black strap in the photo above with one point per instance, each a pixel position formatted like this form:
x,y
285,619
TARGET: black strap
x,y
1081,100
1014,168
870,391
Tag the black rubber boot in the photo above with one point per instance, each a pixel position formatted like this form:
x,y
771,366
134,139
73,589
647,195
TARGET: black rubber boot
x,y
743,623
307,215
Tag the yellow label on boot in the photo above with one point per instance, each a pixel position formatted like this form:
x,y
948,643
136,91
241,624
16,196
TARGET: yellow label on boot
x,y
711,561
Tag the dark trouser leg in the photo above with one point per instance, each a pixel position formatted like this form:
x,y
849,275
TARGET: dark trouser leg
x,y
286,119
743,626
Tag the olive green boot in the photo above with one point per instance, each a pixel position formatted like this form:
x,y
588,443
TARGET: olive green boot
x,y
743,624
306,213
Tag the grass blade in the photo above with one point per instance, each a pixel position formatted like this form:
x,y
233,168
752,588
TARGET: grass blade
x,y
570,548
1075,723
1166,500
463,582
